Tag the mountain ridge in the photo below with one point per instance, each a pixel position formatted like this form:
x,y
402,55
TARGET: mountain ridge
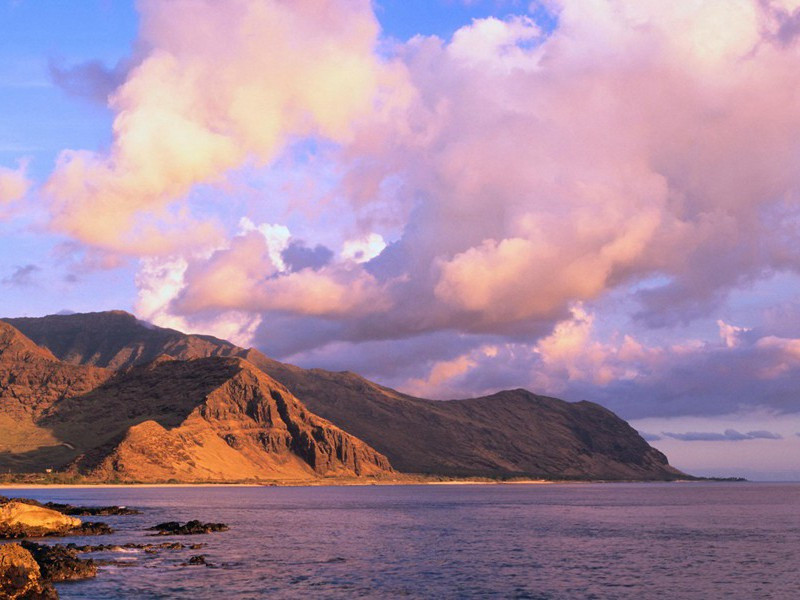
x,y
513,433
208,419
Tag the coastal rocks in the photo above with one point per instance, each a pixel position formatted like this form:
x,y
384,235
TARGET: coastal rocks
x,y
149,548
60,563
91,511
197,561
20,519
20,576
189,528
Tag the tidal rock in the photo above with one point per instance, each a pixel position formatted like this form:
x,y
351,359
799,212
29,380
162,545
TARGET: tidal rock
x,y
92,511
91,528
21,577
76,511
189,528
59,563
19,519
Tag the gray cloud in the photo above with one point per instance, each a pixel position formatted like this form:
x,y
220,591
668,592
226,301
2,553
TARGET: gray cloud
x,y
729,435
90,80
298,256
22,276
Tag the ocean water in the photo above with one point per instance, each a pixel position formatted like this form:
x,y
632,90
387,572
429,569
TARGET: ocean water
x,y
563,541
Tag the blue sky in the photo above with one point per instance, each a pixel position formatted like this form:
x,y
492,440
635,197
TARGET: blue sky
x,y
471,196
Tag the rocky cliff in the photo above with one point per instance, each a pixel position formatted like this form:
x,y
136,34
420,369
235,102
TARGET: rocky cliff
x,y
512,433
213,418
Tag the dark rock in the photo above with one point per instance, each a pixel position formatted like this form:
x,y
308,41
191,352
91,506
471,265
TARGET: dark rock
x,y
190,528
60,563
91,529
92,511
21,577
200,559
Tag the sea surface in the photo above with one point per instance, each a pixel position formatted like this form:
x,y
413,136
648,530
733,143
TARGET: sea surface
x,y
571,541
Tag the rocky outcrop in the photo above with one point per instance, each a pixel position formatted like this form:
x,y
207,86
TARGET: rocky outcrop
x,y
19,519
20,576
188,528
59,563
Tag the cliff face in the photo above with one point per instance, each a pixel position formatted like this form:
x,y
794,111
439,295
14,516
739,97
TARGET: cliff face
x,y
32,381
225,420
214,418
512,433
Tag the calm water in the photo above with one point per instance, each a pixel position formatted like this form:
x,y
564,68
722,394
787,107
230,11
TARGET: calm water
x,y
698,540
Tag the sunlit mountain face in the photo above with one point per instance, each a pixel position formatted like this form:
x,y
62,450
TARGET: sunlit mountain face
x,y
589,199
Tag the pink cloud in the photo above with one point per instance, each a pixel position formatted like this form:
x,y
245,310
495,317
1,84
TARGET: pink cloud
x,y
221,84
14,185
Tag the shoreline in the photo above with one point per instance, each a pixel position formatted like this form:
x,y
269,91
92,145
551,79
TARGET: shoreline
x,y
331,483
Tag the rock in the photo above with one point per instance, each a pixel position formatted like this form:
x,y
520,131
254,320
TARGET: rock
x,y
190,528
200,559
92,511
21,577
19,519
90,528
76,511
59,563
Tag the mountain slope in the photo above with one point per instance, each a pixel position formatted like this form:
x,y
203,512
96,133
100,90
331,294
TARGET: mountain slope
x,y
214,418
32,381
512,433
115,339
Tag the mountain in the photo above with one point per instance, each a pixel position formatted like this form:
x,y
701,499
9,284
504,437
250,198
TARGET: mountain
x,y
32,380
210,419
511,433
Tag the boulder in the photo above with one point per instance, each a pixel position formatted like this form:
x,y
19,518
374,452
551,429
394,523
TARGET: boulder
x,y
60,563
19,519
20,576
190,528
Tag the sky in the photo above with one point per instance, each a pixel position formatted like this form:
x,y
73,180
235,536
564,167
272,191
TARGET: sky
x,y
592,199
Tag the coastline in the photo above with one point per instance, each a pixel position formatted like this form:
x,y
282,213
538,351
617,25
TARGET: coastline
x,y
327,483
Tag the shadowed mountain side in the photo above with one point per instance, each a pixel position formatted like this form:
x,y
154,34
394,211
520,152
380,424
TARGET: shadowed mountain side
x,y
215,418
32,380
115,339
219,419
512,433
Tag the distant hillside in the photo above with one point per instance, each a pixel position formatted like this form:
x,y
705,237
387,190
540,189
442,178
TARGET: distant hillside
x,y
511,433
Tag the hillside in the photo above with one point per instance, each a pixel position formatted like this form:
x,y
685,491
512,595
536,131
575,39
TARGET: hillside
x,y
208,419
511,433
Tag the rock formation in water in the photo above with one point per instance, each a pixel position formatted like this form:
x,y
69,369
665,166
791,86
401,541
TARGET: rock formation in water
x,y
513,433
21,577
20,519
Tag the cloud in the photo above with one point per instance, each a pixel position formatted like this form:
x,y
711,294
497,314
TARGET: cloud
x,y
482,196
729,435
14,184
90,80
298,256
219,85
533,200
22,276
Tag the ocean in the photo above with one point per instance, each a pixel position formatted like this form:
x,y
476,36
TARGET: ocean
x,y
700,540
